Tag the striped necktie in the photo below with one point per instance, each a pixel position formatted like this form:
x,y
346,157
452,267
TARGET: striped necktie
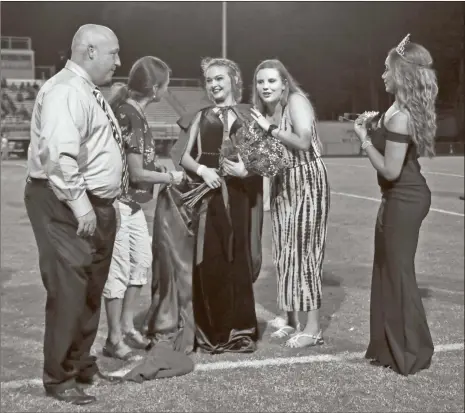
x,y
118,138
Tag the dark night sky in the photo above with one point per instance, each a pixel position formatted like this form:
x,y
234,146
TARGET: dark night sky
x,y
326,45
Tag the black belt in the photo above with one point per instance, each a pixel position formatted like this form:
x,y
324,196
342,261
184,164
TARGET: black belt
x,y
94,199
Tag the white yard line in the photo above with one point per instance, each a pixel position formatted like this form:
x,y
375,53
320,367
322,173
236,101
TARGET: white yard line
x,y
443,173
368,198
262,313
369,166
246,364
318,358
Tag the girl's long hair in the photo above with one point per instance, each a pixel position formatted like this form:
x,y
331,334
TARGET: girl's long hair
x,y
291,86
147,72
416,90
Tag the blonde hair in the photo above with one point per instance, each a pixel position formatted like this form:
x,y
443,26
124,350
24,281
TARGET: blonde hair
x,y
291,87
416,90
233,71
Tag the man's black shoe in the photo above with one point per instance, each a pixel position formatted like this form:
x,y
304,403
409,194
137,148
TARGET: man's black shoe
x,y
73,395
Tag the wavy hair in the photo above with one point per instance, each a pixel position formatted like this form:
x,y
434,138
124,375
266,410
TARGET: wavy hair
x,y
147,72
416,90
233,71
291,86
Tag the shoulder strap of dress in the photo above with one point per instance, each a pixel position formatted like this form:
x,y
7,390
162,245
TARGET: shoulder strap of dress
x,y
285,116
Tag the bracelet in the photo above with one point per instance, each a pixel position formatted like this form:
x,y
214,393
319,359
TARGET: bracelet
x,y
171,179
200,169
271,129
366,143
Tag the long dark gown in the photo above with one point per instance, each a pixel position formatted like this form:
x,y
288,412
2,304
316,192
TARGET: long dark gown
x,y
223,298
212,303
399,333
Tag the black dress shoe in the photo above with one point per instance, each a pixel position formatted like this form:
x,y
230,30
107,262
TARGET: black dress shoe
x,y
99,379
73,395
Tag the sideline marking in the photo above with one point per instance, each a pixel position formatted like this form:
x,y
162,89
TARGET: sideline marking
x,y
230,365
442,211
351,165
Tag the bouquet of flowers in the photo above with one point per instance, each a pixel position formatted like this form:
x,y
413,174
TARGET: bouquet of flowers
x,y
227,151
367,118
261,153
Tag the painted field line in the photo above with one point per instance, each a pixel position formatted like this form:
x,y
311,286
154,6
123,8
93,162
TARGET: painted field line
x,y
318,358
369,166
443,173
247,364
443,290
368,198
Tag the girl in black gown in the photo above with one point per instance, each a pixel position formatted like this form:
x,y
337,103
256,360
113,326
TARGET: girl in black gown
x,y
399,333
223,235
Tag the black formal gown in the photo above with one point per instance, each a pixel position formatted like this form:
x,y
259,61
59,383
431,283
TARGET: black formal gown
x,y
399,334
223,298
205,261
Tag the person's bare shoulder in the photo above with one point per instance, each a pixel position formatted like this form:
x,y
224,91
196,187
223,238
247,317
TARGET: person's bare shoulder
x,y
399,123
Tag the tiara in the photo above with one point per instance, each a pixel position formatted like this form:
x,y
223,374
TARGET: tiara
x,y
400,49
401,46
206,62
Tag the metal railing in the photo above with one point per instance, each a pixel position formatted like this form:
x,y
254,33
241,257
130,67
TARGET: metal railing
x,y
16,42
174,81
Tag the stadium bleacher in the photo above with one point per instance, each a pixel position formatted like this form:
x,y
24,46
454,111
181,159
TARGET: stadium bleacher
x,y
191,98
177,101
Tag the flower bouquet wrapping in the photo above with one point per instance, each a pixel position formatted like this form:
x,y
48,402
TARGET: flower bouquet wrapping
x,y
227,151
261,153
369,119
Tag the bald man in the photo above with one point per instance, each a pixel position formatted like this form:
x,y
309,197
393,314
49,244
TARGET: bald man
x,y
75,170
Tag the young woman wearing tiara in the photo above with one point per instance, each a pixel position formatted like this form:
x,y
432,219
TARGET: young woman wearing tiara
x,y
399,333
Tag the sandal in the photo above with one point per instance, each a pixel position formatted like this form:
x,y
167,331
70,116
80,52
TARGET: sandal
x,y
293,342
119,350
285,331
